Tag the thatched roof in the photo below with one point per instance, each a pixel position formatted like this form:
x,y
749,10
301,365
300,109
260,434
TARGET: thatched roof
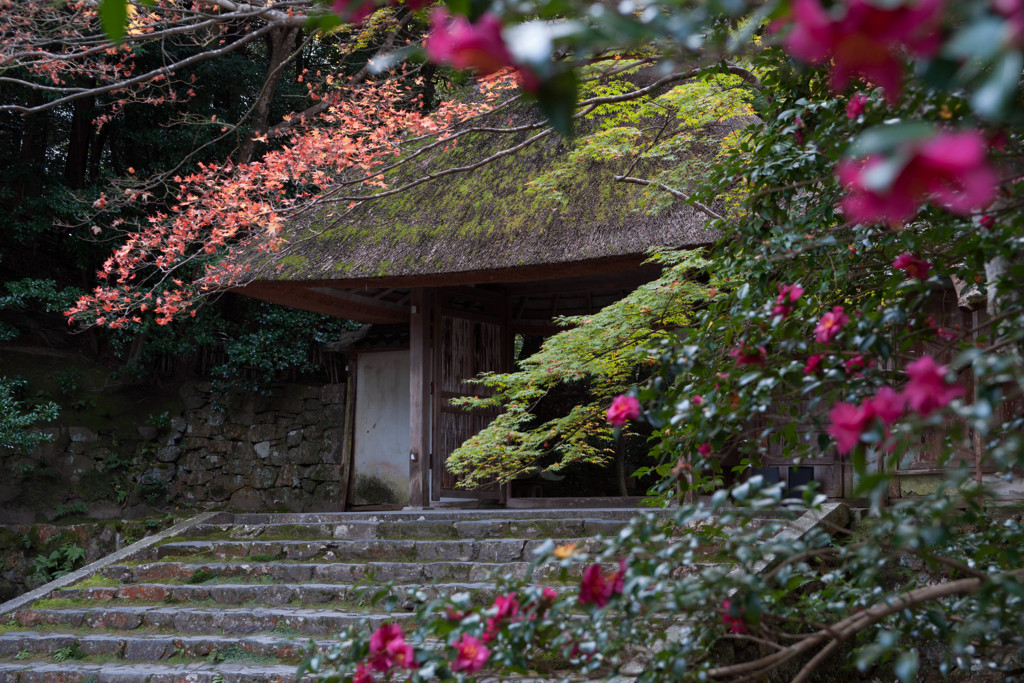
x,y
491,223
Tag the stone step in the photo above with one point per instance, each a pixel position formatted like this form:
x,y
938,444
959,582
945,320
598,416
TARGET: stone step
x,y
187,619
154,648
330,572
447,515
84,672
412,529
497,550
262,585
258,593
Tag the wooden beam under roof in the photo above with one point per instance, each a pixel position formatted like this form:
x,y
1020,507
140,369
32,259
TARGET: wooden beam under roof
x,y
599,268
301,296
357,297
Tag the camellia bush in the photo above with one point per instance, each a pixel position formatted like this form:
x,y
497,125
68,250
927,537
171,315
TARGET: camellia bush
x,y
865,308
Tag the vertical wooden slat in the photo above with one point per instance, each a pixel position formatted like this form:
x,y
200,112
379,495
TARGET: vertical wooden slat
x,y
437,432
419,398
471,336
348,441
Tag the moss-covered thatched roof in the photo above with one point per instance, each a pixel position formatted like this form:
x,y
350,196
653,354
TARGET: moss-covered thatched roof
x,y
545,205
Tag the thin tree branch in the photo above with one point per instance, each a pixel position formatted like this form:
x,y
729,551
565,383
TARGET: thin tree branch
x,y
675,193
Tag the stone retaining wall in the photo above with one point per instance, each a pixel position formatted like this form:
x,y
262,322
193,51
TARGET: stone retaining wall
x,y
241,451
22,544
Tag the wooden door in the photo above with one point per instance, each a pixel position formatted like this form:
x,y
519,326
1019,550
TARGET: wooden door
x,y
470,336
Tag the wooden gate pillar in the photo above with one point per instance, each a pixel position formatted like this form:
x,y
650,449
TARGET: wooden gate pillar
x,y
420,377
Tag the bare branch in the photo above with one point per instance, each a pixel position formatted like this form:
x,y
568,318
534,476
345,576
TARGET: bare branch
x,y
672,191
142,78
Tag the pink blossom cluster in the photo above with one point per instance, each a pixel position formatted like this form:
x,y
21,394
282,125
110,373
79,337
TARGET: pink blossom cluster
x,y
506,610
734,618
913,265
864,39
622,409
830,325
477,46
926,392
596,588
388,650
749,355
454,40
786,300
855,107
949,169
471,654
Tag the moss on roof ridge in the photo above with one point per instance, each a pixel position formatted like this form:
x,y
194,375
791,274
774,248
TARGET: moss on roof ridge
x,y
493,217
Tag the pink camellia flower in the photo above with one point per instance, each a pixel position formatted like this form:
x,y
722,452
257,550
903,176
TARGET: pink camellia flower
x,y
788,295
478,46
848,423
388,648
704,449
471,654
830,325
400,653
749,355
813,363
1013,11
798,134
547,596
853,366
622,409
950,169
888,405
467,46
697,399
597,589
733,618
940,332
508,606
913,265
855,107
363,674
928,390
507,610
383,635
864,39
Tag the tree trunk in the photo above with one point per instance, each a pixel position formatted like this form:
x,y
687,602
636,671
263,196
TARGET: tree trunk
x,y
280,44
76,163
32,153
96,153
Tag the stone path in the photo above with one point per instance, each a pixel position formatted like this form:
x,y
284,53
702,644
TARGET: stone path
x,y
238,598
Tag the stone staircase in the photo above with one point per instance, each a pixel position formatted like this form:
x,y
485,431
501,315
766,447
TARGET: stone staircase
x,y
226,598
239,597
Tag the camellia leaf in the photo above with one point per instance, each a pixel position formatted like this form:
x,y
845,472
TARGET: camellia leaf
x,y
887,138
992,98
114,18
906,667
557,101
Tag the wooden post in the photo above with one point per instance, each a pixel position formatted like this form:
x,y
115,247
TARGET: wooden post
x,y
348,438
420,366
